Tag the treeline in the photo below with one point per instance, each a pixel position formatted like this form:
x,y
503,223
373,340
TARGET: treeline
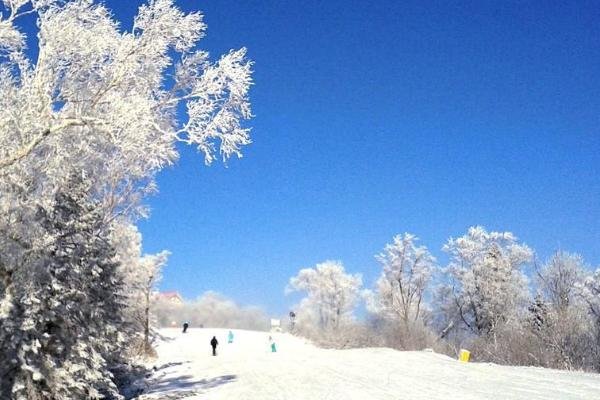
x,y
492,298
211,310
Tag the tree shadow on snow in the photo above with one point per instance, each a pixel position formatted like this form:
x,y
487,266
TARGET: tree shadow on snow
x,y
168,365
178,387
163,338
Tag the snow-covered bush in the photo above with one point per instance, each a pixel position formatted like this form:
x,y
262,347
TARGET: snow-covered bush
x,y
392,333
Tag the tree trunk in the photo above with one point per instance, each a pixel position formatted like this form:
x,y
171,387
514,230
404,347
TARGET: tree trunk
x,y
147,325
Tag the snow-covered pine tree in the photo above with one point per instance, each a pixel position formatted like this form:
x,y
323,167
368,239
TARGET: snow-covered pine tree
x,y
538,314
66,328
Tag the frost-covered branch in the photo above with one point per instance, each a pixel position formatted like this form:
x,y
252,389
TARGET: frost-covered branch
x,y
88,70
37,139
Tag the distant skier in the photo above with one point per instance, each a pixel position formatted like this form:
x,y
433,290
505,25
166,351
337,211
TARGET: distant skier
x,y
230,337
292,320
214,342
185,326
273,345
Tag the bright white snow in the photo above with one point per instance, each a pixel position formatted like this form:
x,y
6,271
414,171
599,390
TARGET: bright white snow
x,y
247,369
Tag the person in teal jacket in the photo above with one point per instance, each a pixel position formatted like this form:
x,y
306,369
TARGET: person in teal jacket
x,y
273,345
230,337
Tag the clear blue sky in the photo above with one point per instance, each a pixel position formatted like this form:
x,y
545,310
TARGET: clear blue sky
x,y
375,118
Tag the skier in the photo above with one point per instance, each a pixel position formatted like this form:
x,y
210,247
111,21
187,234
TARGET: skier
x,y
292,320
273,346
214,342
230,337
185,326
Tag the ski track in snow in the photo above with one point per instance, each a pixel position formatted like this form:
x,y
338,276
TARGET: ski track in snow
x,y
247,369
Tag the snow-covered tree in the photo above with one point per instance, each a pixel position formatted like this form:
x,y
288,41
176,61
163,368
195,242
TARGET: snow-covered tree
x,y
538,317
127,241
331,294
488,286
62,325
591,293
407,271
105,101
398,298
150,268
558,316
140,275
591,296
560,278
104,105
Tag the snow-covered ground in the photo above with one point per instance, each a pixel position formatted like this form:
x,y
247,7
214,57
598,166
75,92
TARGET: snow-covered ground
x,y
247,369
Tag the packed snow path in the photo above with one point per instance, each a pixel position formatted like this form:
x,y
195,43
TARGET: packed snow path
x,y
247,369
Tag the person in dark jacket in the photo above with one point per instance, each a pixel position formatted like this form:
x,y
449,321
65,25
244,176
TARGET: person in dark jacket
x,y
214,342
185,327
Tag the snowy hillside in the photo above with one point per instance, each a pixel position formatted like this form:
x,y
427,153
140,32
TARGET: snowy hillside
x,y
247,369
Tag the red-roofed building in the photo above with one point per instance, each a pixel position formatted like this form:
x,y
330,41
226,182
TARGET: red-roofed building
x,y
171,297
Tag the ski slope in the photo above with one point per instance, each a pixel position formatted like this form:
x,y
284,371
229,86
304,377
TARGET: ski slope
x,y
247,369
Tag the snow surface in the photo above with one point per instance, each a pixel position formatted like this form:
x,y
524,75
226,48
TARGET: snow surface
x,y
247,369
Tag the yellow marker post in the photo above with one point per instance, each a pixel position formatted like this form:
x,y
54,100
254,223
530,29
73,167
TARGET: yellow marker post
x,y
464,355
